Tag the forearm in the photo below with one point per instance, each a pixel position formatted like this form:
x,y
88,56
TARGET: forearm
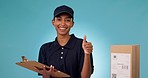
x,y
45,76
86,70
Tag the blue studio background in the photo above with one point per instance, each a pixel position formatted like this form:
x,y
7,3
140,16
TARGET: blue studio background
x,y
26,24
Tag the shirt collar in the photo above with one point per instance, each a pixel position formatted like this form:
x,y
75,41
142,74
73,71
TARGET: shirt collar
x,y
70,44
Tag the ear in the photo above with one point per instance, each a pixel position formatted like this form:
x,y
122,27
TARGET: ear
x,y
53,22
72,24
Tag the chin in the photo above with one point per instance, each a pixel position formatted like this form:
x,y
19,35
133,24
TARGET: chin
x,y
63,34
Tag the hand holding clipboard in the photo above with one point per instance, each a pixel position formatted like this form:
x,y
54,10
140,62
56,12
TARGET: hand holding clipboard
x,y
36,66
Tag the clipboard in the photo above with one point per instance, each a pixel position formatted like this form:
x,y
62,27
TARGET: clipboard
x,y
32,64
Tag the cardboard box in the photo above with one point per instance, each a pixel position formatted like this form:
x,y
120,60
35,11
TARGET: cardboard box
x,y
125,61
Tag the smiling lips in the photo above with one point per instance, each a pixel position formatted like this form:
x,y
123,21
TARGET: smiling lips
x,y
62,28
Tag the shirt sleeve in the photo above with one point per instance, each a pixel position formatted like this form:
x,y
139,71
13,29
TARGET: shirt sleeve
x,y
92,66
42,55
81,61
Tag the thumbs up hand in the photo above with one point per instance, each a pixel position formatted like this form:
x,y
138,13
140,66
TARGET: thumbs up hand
x,y
87,46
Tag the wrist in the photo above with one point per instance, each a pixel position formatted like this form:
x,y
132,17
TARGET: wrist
x,y
46,76
87,53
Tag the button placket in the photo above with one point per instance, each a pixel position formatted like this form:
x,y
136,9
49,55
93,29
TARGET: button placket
x,y
61,57
62,53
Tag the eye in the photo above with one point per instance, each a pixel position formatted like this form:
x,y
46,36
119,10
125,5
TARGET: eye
x,y
58,19
68,19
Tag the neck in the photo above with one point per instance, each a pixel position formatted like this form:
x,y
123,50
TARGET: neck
x,y
62,40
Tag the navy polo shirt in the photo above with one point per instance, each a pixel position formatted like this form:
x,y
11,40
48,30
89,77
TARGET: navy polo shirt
x,y
68,58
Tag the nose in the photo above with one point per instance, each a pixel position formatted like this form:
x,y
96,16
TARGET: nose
x,y
63,22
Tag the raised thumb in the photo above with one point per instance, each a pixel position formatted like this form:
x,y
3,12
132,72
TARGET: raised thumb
x,y
84,40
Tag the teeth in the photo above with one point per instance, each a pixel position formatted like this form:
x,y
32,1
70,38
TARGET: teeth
x,y
62,28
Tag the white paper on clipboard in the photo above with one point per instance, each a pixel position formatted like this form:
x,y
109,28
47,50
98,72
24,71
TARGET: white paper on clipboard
x,y
120,65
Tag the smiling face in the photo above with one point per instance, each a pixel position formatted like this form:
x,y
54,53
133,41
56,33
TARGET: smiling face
x,y
63,23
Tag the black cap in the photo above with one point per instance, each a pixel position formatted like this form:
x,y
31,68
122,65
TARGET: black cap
x,y
63,9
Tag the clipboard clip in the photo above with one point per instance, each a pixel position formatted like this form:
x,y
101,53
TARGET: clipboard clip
x,y
24,59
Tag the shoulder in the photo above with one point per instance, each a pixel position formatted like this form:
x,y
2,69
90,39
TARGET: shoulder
x,y
77,42
76,38
46,45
